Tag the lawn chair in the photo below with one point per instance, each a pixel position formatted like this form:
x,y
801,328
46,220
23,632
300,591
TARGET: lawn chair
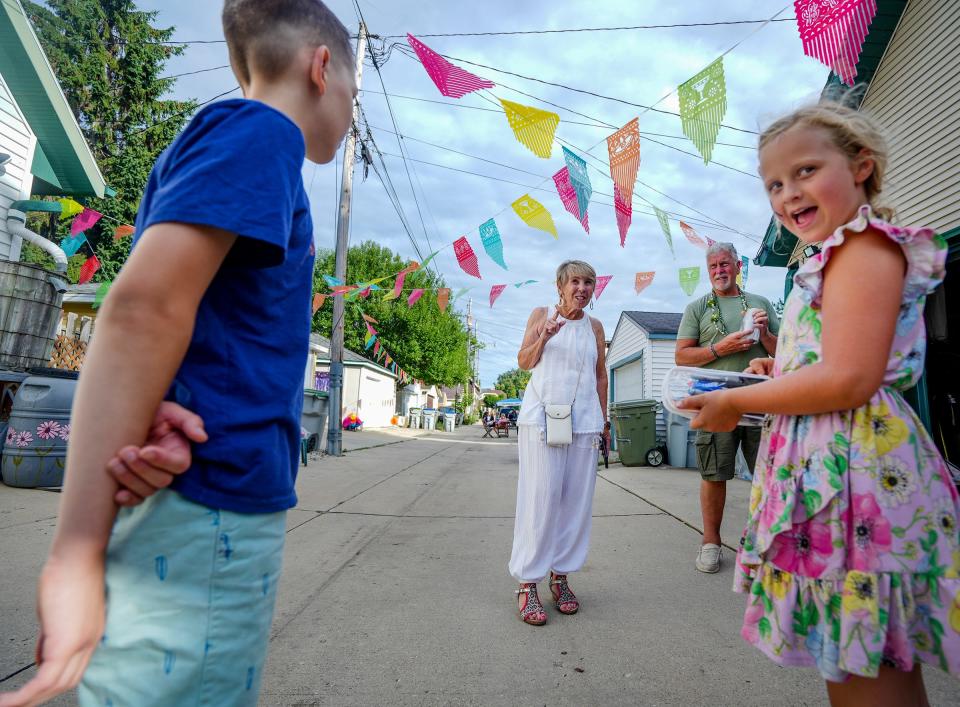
x,y
488,429
503,428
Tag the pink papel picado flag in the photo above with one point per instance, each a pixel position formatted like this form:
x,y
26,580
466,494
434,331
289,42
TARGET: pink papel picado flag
x,y
466,257
832,31
568,196
495,292
443,298
692,236
602,282
624,210
414,296
452,81
84,220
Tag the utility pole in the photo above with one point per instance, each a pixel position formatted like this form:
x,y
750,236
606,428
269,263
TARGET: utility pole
x,y
334,428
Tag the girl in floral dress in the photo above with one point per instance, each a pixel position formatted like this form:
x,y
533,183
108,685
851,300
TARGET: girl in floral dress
x,y
851,555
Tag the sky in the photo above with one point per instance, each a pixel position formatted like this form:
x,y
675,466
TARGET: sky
x,y
766,74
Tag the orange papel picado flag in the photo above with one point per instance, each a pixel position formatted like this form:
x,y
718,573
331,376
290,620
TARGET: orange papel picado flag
x,y
533,127
624,149
534,214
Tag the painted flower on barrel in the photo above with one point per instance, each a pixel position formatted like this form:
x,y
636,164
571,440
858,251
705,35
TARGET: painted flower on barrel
x,y
65,432
24,439
11,435
871,532
48,430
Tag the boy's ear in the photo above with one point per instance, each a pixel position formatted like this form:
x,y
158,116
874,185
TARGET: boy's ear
x,y
319,66
864,166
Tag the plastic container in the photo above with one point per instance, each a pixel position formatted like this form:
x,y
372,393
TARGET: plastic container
x,y
35,452
449,421
681,441
682,382
429,419
414,418
748,325
635,425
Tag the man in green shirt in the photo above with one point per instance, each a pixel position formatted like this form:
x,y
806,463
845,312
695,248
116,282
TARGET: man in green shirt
x,y
710,336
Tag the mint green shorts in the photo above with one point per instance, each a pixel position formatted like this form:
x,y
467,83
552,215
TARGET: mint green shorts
x,y
190,597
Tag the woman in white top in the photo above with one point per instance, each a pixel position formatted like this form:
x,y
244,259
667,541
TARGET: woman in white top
x,y
565,349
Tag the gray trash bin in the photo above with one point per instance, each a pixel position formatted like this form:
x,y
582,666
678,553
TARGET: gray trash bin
x,y
449,421
314,416
681,441
429,419
415,418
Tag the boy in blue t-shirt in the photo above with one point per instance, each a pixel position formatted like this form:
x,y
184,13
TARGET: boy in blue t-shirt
x,y
211,311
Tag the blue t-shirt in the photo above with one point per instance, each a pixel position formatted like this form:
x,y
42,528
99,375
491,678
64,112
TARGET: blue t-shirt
x,y
237,167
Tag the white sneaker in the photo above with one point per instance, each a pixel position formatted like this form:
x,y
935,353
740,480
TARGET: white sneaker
x,y
708,558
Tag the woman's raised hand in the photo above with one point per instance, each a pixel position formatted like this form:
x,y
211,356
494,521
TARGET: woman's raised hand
x,y
552,326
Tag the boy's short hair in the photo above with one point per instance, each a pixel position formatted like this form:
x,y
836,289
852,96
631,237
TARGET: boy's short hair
x,y
265,35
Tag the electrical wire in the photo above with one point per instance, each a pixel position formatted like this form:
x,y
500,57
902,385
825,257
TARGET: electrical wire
x,y
590,29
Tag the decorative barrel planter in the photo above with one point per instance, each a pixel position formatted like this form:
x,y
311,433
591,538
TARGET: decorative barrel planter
x,y
30,308
35,446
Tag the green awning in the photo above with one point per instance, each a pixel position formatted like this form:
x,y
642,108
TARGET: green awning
x,y
64,164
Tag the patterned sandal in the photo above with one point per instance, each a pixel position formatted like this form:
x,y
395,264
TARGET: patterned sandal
x,y
566,600
532,610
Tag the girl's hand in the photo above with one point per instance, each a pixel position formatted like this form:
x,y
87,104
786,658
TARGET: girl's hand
x,y
606,437
717,413
761,366
70,605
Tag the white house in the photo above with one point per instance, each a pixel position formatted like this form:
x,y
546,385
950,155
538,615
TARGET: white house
x,y
640,353
370,390
42,150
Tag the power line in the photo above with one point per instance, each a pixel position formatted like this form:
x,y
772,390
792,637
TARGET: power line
x,y
499,111
590,29
580,90
393,120
191,73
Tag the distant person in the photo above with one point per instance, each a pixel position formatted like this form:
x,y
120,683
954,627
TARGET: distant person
x,y
851,555
710,336
192,572
352,423
551,535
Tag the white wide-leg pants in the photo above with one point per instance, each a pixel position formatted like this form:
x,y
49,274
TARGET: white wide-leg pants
x,y
554,505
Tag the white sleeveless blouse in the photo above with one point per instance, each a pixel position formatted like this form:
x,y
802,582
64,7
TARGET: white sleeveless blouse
x,y
555,378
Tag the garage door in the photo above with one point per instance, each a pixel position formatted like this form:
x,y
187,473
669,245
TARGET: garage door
x,y
628,381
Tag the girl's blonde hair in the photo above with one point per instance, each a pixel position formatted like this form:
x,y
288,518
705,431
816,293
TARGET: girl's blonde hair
x,y
851,131
570,268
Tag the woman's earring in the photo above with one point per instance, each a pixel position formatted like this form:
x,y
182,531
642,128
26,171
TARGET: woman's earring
x,y
560,303
591,303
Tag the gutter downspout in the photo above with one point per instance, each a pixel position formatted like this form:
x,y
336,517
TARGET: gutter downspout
x,y
17,227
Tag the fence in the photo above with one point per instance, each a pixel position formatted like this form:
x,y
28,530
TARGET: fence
x,y
70,346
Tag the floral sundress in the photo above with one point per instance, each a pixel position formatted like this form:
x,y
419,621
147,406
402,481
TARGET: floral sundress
x,y
851,555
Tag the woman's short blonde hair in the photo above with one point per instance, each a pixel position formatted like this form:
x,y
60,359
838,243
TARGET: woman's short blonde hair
x,y
853,132
572,268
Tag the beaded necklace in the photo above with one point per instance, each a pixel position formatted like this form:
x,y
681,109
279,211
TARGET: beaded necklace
x,y
716,317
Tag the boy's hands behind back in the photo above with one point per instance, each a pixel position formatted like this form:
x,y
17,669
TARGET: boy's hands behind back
x,y
142,471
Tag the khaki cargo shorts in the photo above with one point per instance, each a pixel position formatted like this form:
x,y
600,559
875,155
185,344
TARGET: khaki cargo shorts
x,y
717,452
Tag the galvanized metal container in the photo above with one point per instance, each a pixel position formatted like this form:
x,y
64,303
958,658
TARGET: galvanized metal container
x,y
35,448
30,309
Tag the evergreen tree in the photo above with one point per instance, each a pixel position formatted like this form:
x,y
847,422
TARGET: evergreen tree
x,y
110,60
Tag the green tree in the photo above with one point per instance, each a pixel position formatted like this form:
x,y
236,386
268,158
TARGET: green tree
x,y
513,382
427,343
490,400
110,60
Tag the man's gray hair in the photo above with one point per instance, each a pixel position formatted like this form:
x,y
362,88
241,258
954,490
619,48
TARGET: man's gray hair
x,y
718,248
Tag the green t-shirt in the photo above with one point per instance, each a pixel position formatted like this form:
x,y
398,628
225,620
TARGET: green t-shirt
x,y
696,324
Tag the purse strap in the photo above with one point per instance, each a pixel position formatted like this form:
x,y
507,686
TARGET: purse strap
x,y
583,362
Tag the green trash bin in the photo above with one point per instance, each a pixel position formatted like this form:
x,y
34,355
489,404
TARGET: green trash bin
x,y
635,424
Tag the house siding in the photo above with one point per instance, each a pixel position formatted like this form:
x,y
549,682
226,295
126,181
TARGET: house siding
x,y
915,88
17,140
630,340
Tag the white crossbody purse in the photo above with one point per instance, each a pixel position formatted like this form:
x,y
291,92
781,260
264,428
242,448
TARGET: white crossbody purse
x,y
559,416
